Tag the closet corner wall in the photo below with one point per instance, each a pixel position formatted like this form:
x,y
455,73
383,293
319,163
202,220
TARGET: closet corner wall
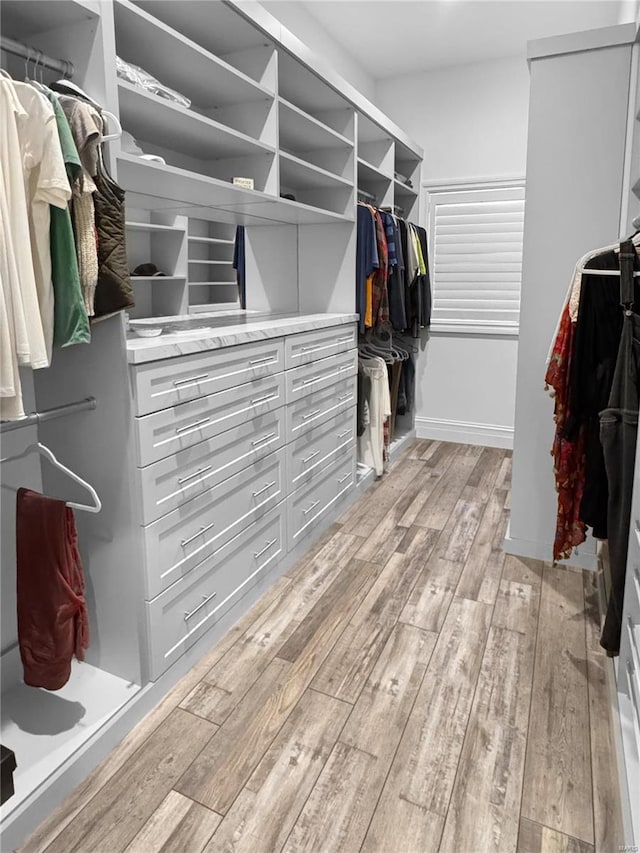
x,y
259,111
569,171
589,179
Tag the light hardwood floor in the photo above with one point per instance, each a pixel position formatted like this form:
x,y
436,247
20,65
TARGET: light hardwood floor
x,y
405,688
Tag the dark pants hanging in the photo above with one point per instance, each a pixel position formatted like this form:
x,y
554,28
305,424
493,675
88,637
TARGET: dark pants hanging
x,y
618,434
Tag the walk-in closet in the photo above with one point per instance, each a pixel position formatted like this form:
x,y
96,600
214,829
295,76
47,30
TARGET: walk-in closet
x,y
319,389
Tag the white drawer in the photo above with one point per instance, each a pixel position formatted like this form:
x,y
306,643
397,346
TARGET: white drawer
x,y
185,537
321,406
161,384
170,482
309,346
305,380
186,610
166,432
319,447
307,505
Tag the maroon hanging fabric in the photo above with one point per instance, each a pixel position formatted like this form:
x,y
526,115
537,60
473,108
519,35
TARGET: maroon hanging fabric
x,y
52,612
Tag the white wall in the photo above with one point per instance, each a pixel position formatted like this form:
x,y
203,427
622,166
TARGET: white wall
x,y
466,387
303,25
471,121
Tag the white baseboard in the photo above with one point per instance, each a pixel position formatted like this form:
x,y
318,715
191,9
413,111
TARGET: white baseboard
x,y
544,551
465,432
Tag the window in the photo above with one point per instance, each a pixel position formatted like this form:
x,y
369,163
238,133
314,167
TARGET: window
x,y
475,242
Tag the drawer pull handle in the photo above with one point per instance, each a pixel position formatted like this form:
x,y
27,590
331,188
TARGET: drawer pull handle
x,y
309,349
197,473
309,508
258,554
312,379
311,414
344,397
202,530
346,338
311,456
345,433
205,600
346,367
193,425
191,379
346,476
263,439
265,488
263,399
262,360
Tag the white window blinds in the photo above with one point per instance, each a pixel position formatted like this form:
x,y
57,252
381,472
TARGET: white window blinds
x,y
475,239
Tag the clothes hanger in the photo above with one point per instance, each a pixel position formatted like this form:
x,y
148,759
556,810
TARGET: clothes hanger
x,y
43,450
118,127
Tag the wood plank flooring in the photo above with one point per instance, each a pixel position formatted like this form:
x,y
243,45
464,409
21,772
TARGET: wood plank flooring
x,y
405,688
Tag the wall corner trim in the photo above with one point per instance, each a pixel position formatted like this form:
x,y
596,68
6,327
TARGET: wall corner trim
x,y
465,432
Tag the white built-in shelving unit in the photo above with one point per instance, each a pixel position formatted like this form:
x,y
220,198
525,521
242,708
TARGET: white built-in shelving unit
x,y
262,106
212,278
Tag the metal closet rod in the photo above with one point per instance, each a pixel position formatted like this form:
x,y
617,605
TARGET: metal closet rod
x,y
62,66
49,414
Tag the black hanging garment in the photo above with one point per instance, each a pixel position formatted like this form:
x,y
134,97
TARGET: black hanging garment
x,y
618,434
114,291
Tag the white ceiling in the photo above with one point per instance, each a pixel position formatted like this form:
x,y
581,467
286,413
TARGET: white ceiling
x,y
388,37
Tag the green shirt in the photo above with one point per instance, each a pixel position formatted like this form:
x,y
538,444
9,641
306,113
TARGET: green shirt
x,y
70,321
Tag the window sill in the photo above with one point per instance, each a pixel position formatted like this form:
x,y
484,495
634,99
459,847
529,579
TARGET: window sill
x,y
474,329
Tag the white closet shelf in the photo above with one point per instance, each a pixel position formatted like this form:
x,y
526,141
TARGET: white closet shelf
x,y
299,173
91,694
208,261
154,186
152,227
214,25
212,240
369,131
155,119
163,278
181,63
369,172
213,284
210,307
304,132
21,20
401,189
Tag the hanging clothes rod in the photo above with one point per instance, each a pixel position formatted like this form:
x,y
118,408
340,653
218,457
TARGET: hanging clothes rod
x,y
49,414
16,48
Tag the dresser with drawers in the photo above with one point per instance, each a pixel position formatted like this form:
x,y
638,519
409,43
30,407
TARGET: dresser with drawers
x,y
242,454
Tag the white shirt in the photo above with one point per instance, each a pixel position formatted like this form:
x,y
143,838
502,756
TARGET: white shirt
x,y
25,318
46,183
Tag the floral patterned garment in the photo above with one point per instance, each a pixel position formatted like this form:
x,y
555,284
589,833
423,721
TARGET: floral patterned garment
x,y
568,456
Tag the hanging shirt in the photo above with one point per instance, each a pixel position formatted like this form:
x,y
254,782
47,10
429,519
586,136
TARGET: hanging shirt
x,y
48,187
20,153
71,323
380,295
239,265
366,257
86,128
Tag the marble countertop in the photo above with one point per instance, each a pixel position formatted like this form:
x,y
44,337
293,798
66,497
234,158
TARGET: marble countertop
x,y
221,330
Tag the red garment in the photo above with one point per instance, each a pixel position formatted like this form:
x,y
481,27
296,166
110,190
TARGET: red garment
x,y
380,295
52,612
569,458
